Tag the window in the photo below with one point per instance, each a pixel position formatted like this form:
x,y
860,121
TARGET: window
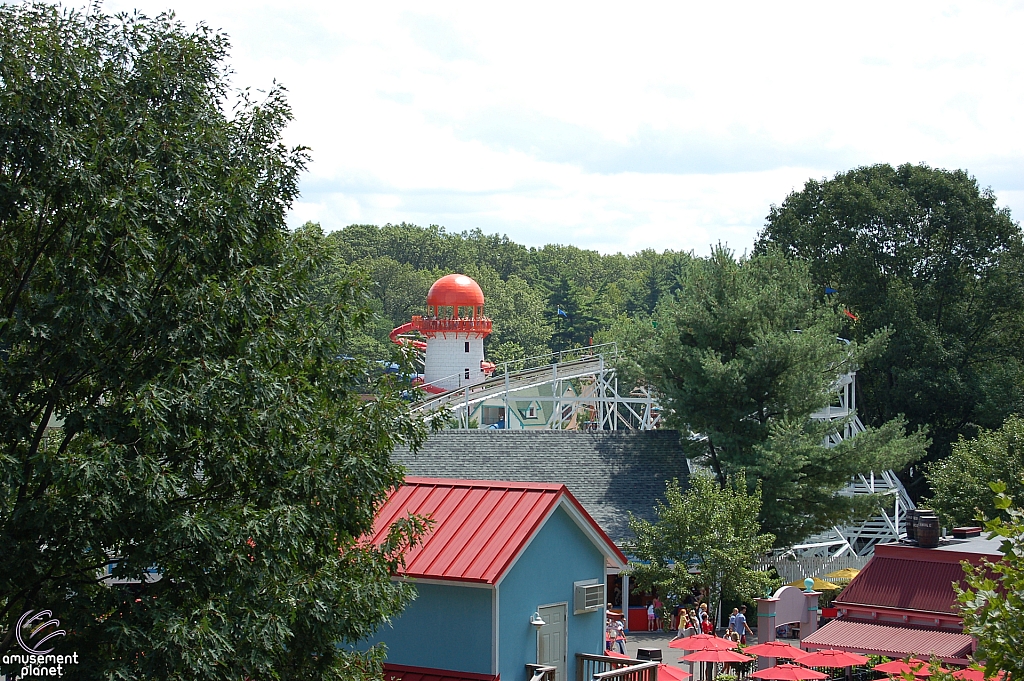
x,y
493,415
467,346
531,412
467,373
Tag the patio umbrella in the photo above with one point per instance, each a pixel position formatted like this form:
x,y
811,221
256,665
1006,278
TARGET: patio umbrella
x,y
844,575
779,649
832,658
819,585
702,642
977,675
667,672
900,667
615,653
716,656
788,672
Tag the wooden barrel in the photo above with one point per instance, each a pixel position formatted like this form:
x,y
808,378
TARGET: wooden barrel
x,y
911,525
927,531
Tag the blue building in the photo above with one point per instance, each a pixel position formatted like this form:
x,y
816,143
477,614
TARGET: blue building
x,y
511,574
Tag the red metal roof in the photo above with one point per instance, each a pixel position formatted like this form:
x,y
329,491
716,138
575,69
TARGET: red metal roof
x,y
480,526
910,578
401,672
899,642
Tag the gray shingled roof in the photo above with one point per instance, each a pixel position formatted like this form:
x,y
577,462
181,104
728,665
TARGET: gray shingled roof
x,y
611,472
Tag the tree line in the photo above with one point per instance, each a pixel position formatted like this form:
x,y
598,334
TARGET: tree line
x,y
918,266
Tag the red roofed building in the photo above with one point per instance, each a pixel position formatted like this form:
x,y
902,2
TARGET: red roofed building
x,y
511,574
903,602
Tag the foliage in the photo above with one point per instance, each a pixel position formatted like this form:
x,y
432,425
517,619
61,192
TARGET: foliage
x,y
960,481
743,356
524,287
710,527
926,253
173,392
993,603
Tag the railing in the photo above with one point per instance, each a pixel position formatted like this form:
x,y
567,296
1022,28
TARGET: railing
x,y
540,672
464,325
602,668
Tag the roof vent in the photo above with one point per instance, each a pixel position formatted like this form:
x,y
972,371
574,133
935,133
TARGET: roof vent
x,y
966,532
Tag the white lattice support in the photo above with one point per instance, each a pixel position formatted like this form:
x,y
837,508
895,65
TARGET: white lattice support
x,y
861,538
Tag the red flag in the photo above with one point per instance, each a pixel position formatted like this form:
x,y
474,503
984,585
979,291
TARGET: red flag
x,y
849,314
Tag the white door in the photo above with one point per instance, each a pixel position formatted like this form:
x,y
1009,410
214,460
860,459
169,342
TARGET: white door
x,y
551,638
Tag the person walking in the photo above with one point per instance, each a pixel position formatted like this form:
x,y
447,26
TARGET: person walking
x,y
732,620
650,616
742,628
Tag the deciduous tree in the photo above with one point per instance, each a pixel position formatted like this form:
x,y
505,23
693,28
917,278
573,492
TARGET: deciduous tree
x,y
173,396
993,604
960,482
708,535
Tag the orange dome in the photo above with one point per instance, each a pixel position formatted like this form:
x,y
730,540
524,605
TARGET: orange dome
x,y
454,290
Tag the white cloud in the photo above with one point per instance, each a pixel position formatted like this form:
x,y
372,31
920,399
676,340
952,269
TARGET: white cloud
x,y
664,125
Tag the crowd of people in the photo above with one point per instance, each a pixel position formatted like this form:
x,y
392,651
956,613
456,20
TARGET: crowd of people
x,y
686,621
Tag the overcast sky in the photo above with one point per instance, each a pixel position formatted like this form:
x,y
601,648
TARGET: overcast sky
x,y
622,126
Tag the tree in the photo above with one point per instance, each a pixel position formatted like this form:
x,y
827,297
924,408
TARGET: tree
x,y
710,527
743,356
960,482
993,603
173,396
925,253
522,322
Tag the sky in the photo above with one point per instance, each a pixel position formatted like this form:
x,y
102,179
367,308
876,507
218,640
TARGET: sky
x,y
622,126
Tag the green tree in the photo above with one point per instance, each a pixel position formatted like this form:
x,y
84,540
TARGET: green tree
x,y
960,482
522,321
172,391
993,603
743,356
927,254
710,527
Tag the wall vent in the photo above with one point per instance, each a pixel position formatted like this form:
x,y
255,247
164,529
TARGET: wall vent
x,y
588,596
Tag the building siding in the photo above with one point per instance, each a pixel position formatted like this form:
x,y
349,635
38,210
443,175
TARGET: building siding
x,y
446,627
559,555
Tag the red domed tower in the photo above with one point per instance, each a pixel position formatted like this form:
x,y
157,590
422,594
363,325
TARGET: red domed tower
x,y
455,328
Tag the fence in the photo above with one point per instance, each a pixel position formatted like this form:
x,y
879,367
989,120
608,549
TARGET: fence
x,y
601,668
791,569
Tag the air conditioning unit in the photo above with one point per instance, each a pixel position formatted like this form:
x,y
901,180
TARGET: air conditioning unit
x,y
588,596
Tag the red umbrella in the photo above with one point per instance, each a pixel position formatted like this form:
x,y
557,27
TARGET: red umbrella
x,y
702,642
978,675
832,658
900,667
615,653
776,649
788,672
667,672
716,656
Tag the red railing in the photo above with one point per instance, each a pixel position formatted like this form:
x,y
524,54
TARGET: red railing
x,y
468,325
